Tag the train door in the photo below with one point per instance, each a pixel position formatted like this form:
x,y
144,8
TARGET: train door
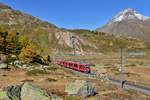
x,y
81,68
65,64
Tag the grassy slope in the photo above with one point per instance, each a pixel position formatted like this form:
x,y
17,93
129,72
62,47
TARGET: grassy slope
x,y
109,43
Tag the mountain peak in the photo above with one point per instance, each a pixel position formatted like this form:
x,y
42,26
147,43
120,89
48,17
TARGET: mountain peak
x,y
128,23
127,10
128,14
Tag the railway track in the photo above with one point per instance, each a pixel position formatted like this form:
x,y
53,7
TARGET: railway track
x,y
127,85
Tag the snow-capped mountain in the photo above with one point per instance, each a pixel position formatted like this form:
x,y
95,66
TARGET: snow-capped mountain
x,y
128,23
129,14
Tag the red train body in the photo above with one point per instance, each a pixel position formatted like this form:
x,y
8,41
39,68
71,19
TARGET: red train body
x,y
78,66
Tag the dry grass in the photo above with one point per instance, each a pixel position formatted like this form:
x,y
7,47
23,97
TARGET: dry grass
x,y
51,79
36,72
104,91
109,63
52,68
71,98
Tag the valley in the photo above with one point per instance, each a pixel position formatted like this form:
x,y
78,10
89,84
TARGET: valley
x,y
30,49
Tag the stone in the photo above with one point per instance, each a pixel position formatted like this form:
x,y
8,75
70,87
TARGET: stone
x,y
26,91
3,66
146,65
3,95
80,88
45,66
30,92
17,63
27,66
13,56
3,58
55,97
13,92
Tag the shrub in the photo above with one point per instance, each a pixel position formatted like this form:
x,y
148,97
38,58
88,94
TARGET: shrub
x,y
28,53
130,65
52,68
51,80
9,42
36,72
27,80
23,41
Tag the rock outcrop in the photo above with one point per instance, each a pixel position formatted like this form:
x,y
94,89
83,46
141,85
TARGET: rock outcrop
x,y
3,95
29,92
3,66
26,91
13,92
80,88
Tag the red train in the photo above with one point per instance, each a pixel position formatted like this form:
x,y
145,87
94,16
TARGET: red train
x,y
78,66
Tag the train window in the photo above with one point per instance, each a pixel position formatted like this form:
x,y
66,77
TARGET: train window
x,y
70,64
75,65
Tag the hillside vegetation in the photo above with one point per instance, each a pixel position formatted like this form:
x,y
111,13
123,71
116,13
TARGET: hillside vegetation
x,y
19,45
109,43
48,38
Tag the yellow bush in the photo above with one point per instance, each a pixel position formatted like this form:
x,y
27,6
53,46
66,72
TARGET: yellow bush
x,y
23,40
28,53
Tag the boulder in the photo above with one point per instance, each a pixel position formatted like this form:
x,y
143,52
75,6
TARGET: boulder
x,y
17,63
13,92
80,88
13,56
27,67
3,95
3,66
26,91
10,93
30,92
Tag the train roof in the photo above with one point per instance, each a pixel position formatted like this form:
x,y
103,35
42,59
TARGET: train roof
x,y
78,61
81,62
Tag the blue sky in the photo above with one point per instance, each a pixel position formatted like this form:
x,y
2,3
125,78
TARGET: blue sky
x,y
81,14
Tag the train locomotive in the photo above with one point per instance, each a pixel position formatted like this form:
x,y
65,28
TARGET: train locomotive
x,y
75,65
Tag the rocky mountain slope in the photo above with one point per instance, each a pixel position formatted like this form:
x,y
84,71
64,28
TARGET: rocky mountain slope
x,y
45,34
128,23
51,38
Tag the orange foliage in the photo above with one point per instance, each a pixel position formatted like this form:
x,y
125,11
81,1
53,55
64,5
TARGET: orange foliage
x,y
23,40
28,53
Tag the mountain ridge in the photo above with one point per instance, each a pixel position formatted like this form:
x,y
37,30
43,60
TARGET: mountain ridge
x,y
50,38
128,23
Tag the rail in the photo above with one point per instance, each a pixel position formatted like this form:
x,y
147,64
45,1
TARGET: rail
x,y
103,77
